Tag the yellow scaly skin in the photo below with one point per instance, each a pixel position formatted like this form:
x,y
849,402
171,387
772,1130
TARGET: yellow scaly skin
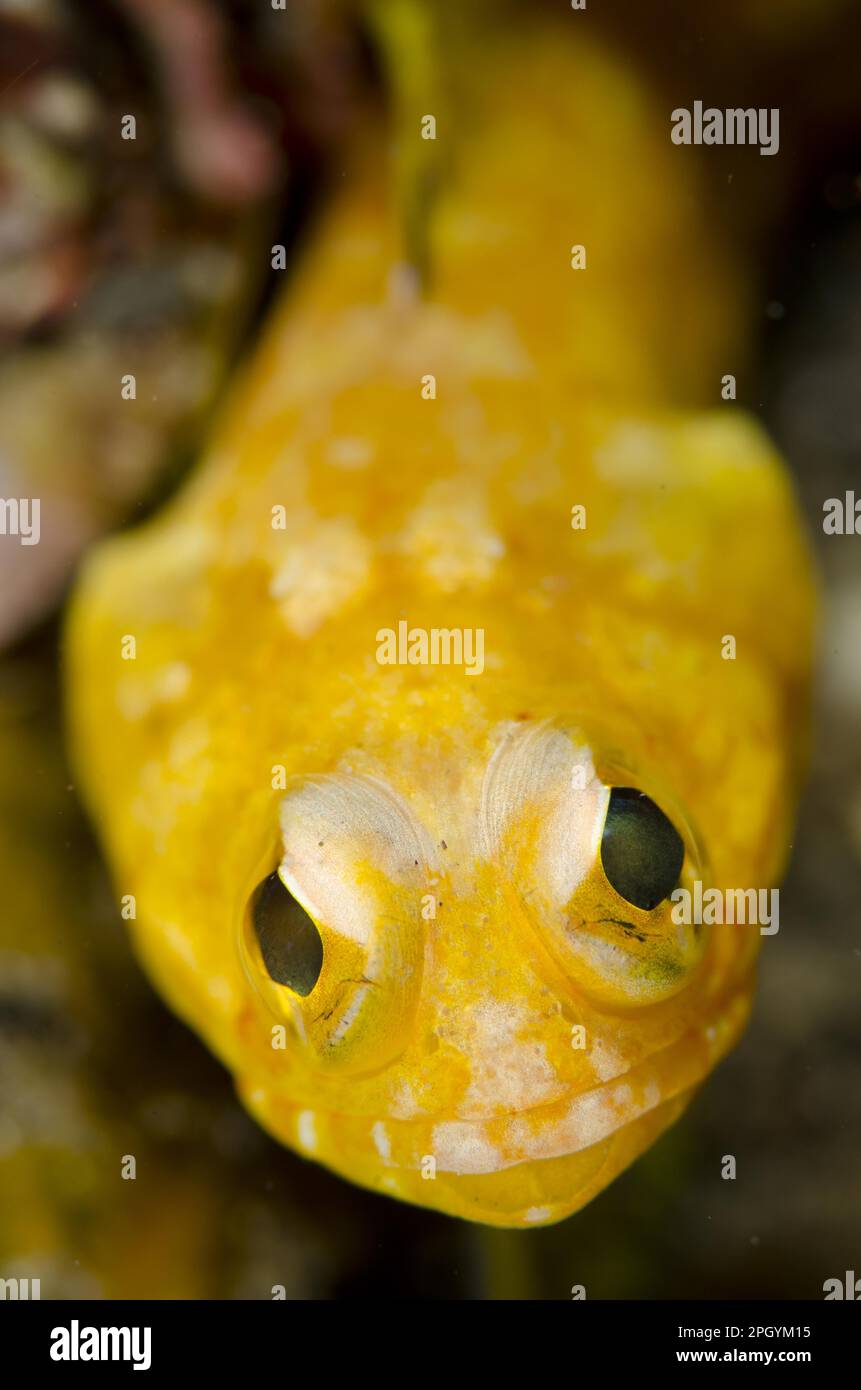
x,y
433,1060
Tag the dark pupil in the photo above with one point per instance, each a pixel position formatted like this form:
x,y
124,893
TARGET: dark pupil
x,y
290,944
641,851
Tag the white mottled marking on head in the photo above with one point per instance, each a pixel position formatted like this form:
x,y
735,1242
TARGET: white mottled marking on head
x,y
509,1069
606,1061
138,693
463,1147
306,1130
403,1104
350,452
221,990
536,1214
633,452
325,564
451,538
180,943
381,1139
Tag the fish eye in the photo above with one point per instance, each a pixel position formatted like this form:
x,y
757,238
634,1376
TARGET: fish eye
x,y
290,944
641,851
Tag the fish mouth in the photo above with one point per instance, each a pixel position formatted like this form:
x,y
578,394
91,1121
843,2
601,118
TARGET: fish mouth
x,y
525,1167
545,1190
509,1191
540,1165
580,1121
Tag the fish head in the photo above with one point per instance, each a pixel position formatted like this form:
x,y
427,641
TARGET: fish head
x,y
476,992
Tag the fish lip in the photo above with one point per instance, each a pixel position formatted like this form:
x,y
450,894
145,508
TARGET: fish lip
x,y
581,1119
569,1125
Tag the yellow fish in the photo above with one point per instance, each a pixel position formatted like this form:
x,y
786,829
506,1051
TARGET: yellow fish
x,y
467,645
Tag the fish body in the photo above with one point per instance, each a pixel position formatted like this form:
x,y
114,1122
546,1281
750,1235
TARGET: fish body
x,y
502,472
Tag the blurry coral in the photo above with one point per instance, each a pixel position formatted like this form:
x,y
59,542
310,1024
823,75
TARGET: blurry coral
x,y
141,257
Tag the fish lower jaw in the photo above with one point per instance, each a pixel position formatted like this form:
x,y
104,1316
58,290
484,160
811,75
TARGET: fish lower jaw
x,y
519,1195
526,1169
